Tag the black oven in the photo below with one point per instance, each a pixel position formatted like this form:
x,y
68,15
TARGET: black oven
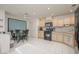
x,y
48,31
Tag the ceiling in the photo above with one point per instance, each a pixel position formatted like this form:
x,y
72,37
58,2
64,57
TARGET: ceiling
x,y
37,10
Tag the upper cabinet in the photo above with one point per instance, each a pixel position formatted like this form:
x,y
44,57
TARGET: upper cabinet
x,y
57,22
54,20
66,20
42,22
63,20
69,19
60,22
72,19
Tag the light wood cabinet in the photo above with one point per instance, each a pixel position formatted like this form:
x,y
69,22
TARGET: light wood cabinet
x,y
66,20
59,37
66,38
69,39
69,20
60,22
57,22
41,25
54,36
54,22
41,34
42,22
72,19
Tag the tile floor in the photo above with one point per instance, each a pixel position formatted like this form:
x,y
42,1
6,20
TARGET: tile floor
x,y
40,46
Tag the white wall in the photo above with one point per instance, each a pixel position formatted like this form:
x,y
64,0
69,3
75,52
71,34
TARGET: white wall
x,y
33,27
2,16
4,43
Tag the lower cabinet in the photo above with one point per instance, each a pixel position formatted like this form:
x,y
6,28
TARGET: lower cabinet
x,y
69,39
66,38
60,37
56,36
41,34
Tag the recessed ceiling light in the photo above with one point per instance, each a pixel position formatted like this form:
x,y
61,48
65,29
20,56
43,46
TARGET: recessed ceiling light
x,y
48,8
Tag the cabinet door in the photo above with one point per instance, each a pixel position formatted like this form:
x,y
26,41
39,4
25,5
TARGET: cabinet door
x,y
67,20
60,22
41,34
59,37
69,39
54,36
72,20
55,22
42,22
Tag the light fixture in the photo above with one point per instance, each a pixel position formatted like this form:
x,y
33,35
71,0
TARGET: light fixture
x,y
48,8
